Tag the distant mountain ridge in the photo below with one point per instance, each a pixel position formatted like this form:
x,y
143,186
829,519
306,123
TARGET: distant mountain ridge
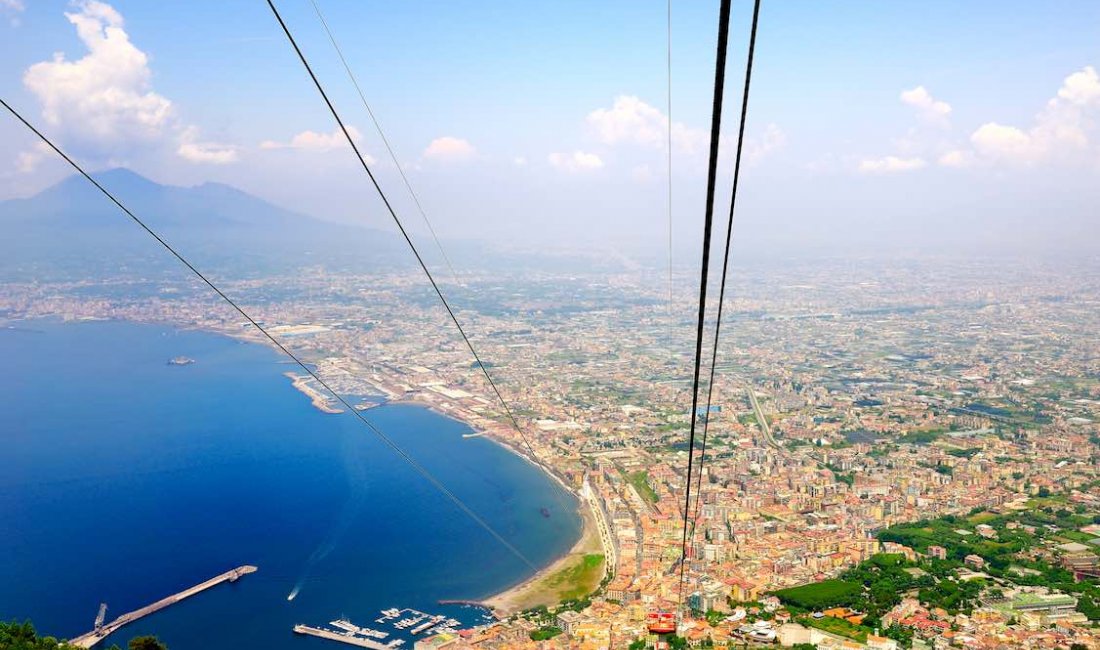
x,y
72,229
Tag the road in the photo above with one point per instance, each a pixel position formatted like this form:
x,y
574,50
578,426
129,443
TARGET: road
x,y
763,421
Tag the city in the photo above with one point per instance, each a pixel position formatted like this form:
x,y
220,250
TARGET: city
x,y
848,401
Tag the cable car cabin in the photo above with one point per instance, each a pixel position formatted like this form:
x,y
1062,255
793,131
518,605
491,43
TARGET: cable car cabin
x,y
660,622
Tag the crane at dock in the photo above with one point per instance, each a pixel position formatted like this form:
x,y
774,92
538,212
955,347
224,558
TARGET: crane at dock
x,y
99,618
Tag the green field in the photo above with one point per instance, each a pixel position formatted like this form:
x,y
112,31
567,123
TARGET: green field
x,y
837,626
579,579
640,481
821,595
544,633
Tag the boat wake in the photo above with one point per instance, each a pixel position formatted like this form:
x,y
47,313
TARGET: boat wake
x,y
357,480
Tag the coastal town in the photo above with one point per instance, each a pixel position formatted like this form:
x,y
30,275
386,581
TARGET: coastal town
x,y
894,457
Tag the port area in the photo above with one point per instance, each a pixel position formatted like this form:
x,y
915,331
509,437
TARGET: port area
x,y
345,637
399,621
103,631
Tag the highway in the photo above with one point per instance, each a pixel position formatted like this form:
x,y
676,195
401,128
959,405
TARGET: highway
x,y
607,539
763,421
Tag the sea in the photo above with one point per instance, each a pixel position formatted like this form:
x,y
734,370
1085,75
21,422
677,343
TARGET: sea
x,y
124,479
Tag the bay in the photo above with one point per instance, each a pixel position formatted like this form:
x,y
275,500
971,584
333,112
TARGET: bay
x,y
125,479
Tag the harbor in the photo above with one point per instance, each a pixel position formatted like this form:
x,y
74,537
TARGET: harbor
x,y
345,637
103,630
402,621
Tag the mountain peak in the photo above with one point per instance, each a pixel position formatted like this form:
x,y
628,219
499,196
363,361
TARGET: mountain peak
x,y
121,175
118,179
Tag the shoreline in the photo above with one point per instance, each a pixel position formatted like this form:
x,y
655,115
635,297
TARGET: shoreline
x,y
526,593
507,601
515,597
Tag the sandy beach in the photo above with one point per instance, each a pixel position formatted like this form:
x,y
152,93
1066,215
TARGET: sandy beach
x,y
545,587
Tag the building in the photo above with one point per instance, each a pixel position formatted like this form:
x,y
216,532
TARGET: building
x,y
568,621
1081,562
881,643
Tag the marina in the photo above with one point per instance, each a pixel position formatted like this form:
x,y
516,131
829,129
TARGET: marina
x,y
348,626
346,637
408,621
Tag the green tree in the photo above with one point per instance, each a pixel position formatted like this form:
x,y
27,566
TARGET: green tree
x,y
22,636
901,634
542,634
146,643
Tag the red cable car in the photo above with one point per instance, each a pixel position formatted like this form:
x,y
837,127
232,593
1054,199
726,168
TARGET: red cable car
x,y
661,622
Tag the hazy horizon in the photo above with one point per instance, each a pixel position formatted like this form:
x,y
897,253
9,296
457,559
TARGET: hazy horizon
x,y
871,130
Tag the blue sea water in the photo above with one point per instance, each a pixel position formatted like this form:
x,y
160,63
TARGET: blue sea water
x,y
124,479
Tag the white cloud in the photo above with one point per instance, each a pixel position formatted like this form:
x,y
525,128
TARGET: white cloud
x,y
771,140
1081,88
193,150
207,152
997,140
12,5
519,161
632,121
450,149
956,158
314,141
27,161
890,164
107,92
103,104
928,108
578,161
1060,130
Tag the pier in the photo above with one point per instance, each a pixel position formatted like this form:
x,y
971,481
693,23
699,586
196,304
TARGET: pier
x,y
466,603
102,631
343,638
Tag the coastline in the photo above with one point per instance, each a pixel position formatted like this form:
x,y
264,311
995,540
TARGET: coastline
x,y
530,591
231,384
535,589
526,593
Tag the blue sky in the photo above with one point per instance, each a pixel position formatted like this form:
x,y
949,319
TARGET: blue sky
x,y
871,124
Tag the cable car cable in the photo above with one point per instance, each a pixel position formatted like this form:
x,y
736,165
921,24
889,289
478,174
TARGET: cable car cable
x,y
385,140
712,170
389,207
726,257
420,469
